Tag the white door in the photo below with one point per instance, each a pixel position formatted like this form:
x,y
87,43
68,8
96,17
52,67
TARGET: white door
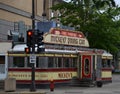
x,y
3,67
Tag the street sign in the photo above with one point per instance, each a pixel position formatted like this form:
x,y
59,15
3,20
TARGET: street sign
x,y
32,58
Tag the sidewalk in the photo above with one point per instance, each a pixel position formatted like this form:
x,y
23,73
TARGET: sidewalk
x,y
38,91
107,89
23,91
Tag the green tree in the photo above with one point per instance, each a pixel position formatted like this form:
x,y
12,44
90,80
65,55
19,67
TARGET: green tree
x,y
95,18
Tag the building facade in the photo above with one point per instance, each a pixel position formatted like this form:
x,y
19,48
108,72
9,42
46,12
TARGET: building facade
x,y
16,15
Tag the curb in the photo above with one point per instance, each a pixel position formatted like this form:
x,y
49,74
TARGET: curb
x,y
23,92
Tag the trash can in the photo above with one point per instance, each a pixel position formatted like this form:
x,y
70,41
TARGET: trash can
x,y
10,84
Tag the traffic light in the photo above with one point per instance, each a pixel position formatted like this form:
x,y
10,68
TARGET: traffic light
x,y
27,50
40,42
40,39
29,38
40,50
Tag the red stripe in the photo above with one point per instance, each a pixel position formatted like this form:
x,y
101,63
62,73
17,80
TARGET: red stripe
x,y
19,69
108,79
57,69
43,70
40,81
106,69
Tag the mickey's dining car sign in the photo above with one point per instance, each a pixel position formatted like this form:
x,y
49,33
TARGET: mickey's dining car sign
x,y
66,37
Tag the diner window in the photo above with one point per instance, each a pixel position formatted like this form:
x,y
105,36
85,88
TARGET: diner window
x,y
42,62
109,63
58,62
61,62
106,63
70,62
51,62
66,62
74,62
18,61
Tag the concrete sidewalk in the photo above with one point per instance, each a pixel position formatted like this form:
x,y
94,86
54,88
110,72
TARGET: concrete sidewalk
x,y
38,91
23,91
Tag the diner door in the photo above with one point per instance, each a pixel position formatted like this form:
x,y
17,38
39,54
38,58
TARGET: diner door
x,y
86,66
3,67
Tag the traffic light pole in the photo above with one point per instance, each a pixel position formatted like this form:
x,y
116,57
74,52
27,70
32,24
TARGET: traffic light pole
x,y
33,87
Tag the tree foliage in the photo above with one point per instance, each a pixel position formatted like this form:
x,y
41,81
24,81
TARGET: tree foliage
x,y
95,18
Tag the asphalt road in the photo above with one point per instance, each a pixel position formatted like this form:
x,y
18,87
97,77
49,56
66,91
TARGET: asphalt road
x,y
111,88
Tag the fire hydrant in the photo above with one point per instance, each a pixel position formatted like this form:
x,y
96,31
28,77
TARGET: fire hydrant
x,y
51,85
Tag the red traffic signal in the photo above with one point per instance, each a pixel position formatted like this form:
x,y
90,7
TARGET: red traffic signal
x,y
27,50
29,33
29,38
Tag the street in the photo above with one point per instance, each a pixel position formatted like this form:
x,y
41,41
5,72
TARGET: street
x,y
111,88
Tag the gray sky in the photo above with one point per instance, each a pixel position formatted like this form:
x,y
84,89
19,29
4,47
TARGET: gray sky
x,y
117,2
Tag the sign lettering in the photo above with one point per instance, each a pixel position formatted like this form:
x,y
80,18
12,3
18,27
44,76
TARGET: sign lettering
x,y
67,40
64,75
57,39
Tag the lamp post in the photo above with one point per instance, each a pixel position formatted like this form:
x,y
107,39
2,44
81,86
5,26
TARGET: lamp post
x,y
33,87
44,14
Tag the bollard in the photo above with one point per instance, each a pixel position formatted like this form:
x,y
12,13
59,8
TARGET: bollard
x,y
51,85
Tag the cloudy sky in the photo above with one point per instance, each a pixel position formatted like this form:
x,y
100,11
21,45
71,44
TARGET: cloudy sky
x,y
117,2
